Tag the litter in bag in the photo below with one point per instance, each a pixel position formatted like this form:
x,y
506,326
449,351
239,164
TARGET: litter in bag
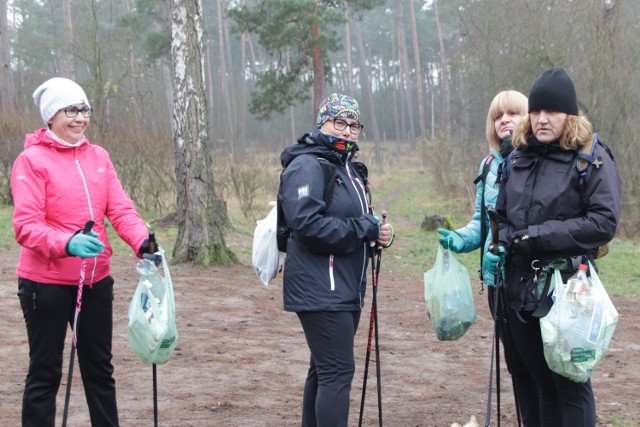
x,y
152,332
266,258
447,293
578,329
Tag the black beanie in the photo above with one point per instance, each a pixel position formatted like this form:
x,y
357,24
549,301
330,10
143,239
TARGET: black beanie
x,y
553,90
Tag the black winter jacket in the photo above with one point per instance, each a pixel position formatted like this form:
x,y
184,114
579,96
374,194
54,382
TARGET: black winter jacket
x,y
328,249
541,196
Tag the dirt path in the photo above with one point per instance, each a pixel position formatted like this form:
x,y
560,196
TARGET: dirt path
x,y
241,360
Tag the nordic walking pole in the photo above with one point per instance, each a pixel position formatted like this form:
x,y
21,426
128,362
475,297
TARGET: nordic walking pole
x,y
153,247
373,326
501,323
83,267
375,307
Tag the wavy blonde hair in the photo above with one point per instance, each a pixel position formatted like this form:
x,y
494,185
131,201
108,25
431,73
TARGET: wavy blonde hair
x,y
507,100
577,132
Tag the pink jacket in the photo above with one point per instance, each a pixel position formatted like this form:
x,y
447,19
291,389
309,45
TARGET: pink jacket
x,y
56,190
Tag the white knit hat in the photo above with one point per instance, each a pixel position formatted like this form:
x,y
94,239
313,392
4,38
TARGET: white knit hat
x,y
56,94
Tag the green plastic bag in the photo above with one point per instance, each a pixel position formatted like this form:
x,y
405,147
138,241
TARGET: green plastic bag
x,y
577,330
152,332
447,293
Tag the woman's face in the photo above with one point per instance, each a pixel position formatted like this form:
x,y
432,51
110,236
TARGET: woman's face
x,y
547,125
505,123
342,128
70,129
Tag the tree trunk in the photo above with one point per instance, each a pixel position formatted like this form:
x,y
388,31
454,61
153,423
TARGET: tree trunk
x,y
66,63
318,64
347,32
6,86
446,116
200,213
406,78
365,83
419,83
225,81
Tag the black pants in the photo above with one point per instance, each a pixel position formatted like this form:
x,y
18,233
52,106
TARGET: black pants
x,y
524,386
48,310
561,402
330,336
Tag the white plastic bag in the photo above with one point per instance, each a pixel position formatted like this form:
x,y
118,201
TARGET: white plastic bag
x,y
266,258
577,331
152,332
447,293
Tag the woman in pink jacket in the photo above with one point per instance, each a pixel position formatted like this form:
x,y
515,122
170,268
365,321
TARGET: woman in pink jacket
x,y
59,183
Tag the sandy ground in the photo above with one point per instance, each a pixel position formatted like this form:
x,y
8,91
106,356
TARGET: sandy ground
x,y
241,360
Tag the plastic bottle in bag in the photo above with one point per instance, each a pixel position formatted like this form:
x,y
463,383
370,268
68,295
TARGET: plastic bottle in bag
x,y
152,278
586,318
578,286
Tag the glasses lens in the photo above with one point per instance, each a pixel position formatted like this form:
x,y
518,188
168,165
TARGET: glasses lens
x,y
71,112
86,112
355,128
339,124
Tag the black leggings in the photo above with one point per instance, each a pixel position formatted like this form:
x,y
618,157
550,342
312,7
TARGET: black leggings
x,y
330,337
561,402
48,311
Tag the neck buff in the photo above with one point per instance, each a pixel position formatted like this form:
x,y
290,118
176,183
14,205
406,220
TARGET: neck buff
x,y
339,144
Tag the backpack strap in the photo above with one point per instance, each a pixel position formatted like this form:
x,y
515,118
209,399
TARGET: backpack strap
x,y
283,230
329,172
483,209
585,158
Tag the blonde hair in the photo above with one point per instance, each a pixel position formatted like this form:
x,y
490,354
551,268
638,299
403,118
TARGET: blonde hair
x,y
577,132
507,100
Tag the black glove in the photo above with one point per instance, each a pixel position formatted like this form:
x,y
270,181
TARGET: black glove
x,y
146,248
522,244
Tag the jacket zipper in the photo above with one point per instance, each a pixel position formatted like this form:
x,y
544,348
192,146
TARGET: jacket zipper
x,y
536,171
331,278
364,208
86,190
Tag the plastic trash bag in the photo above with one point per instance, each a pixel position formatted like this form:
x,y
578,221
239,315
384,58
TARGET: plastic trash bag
x,y
152,332
266,258
577,330
447,293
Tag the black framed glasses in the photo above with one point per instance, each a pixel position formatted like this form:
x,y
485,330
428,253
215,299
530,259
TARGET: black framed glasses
x,y
73,111
341,124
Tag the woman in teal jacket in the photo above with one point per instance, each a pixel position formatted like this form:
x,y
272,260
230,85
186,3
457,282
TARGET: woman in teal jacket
x,y
507,109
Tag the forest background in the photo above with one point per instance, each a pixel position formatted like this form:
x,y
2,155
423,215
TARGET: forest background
x,y
425,73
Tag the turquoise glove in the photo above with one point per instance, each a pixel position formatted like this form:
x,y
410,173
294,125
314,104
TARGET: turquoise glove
x,y
85,245
451,240
490,260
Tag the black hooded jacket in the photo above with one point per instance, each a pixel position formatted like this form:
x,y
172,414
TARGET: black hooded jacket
x,y
541,196
327,252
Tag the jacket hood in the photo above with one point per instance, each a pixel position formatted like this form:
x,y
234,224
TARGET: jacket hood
x,y
44,137
307,144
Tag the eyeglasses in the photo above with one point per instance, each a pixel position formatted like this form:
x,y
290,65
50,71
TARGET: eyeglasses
x,y
73,111
340,124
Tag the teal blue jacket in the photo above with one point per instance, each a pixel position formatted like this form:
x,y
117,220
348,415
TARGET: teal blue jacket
x,y
470,233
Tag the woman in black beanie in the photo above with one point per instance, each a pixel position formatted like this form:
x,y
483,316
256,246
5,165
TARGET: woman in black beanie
x,y
548,213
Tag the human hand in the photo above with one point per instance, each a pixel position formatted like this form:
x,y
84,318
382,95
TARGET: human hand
x,y
385,238
146,247
522,244
385,235
451,240
85,245
490,260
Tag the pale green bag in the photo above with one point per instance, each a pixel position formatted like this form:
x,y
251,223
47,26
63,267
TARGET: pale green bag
x,y
576,335
152,332
447,293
